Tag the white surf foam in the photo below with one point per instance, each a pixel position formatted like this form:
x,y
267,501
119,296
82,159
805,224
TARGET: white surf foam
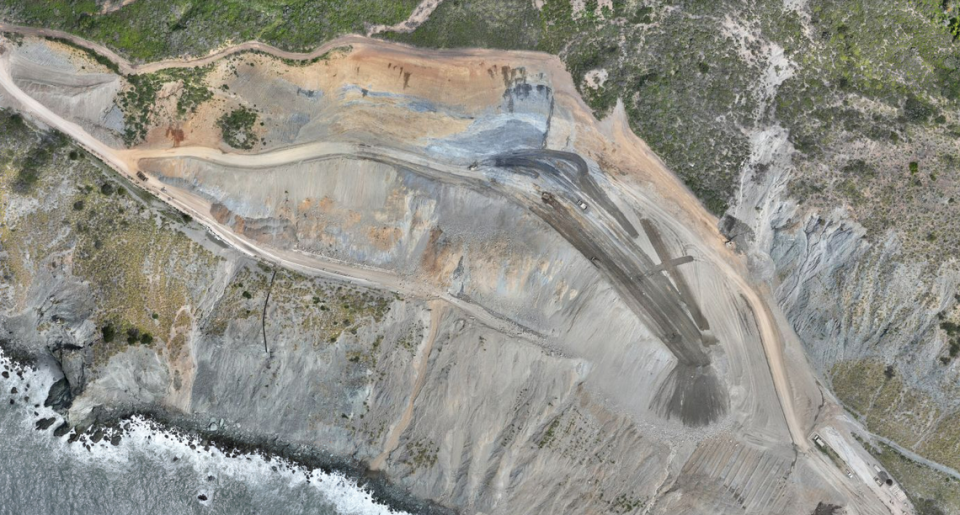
x,y
144,438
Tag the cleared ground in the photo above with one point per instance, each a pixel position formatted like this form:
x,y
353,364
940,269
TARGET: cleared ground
x,y
457,178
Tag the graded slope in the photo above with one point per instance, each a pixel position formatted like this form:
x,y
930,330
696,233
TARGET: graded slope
x,y
478,186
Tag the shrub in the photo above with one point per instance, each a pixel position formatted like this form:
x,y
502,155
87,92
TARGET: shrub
x,y
108,332
916,110
237,128
133,335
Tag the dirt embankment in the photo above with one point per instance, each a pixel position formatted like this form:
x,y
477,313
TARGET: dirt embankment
x,y
636,178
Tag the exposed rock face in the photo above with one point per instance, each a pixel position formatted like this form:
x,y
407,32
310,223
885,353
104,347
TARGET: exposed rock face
x,y
87,97
60,396
478,318
866,310
45,423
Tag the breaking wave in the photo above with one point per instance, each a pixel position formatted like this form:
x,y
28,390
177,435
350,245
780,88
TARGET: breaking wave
x,y
142,468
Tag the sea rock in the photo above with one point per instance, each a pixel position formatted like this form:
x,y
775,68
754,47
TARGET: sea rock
x,y
61,430
44,423
60,396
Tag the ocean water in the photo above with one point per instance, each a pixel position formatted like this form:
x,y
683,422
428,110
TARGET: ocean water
x,y
150,471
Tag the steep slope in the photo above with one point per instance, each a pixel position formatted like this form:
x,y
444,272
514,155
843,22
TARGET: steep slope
x,y
536,255
827,132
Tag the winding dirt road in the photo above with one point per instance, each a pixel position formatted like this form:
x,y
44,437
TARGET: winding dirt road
x,y
128,68
126,163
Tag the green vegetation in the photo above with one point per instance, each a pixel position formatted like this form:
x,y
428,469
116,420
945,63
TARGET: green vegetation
x,y
549,434
879,398
931,491
109,332
692,89
139,100
861,109
40,156
504,24
154,29
325,312
136,336
832,454
237,128
421,454
882,401
953,333
139,269
692,83
412,338
672,87
103,61
623,504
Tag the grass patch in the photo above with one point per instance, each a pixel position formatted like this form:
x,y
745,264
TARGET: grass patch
x,y
139,268
930,491
154,29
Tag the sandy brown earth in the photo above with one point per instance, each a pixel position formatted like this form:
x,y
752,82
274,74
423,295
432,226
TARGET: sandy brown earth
x,y
396,179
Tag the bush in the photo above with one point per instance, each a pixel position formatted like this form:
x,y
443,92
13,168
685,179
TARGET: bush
x,y
916,110
108,332
237,128
859,168
133,335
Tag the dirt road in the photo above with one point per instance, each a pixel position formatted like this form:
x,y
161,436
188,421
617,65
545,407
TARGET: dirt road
x,y
128,68
655,299
125,162
696,226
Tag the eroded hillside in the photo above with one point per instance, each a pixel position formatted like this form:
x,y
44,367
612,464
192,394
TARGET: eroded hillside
x,y
437,265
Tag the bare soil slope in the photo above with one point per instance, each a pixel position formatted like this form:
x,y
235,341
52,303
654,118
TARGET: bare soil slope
x,y
567,332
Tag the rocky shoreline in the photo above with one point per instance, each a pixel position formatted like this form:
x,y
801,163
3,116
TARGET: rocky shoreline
x,y
113,424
